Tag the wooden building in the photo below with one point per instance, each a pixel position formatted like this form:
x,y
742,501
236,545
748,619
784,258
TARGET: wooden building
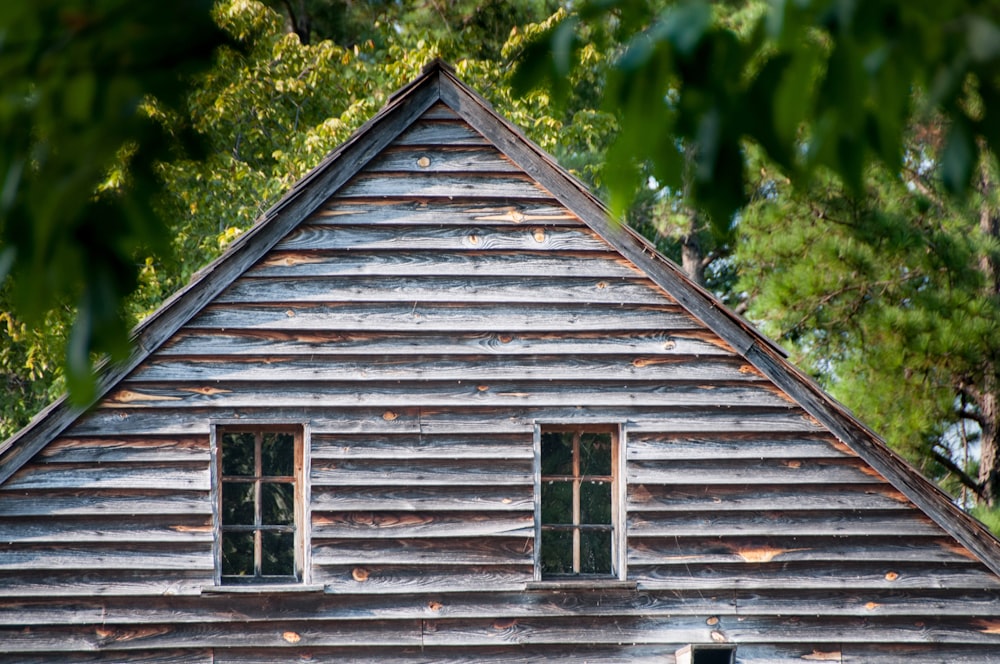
x,y
436,407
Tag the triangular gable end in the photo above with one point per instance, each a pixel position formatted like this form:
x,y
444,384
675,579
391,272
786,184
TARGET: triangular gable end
x,y
438,93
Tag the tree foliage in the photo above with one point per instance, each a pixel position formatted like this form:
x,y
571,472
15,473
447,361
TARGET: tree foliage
x,y
842,153
74,76
882,294
267,110
820,83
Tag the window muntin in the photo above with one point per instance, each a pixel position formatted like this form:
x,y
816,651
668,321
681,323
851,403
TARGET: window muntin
x,y
260,506
578,495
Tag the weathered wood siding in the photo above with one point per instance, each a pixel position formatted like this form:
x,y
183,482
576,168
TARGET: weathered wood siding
x,y
419,323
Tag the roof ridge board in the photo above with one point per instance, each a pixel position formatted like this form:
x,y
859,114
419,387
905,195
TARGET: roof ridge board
x,y
331,173
752,344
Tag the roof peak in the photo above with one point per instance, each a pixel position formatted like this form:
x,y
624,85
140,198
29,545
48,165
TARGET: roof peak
x,y
438,64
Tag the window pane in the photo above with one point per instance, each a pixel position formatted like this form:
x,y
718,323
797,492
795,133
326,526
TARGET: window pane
x,y
237,453
277,503
278,555
557,502
557,453
237,504
595,502
557,552
237,554
278,455
595,454
595,552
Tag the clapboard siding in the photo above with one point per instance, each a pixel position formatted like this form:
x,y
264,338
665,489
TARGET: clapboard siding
x,y
321,344
456,289
417,325
479,238
593,266
441,159
442,213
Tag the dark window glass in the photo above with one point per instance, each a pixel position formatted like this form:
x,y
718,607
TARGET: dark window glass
x,y
237,554
237,503
595,552
278,455
576,503
557,552
557,502
279,554
258,506
277,503
238,454
595,502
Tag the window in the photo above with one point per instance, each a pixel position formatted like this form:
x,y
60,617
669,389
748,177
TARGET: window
x,y
578,525
260,505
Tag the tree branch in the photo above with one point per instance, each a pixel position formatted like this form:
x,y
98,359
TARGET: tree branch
x,y
967,414
962,476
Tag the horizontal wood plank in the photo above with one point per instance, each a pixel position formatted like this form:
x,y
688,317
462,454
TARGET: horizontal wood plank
x,y
427,420
179,476
752,471
395,525
141,528
499,186
511,289
112,638
485,368
441,159
480,238
324,344
410,447
427,132
46,502
802,523
115,450
396,579
905,602
480,497
440,317
653,447
712,548
757,497
408,212
122,554
458,551
458,393
805,576
426,263
103,583
421,472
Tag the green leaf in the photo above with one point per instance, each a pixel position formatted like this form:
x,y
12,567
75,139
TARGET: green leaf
x,y
684,25
958,158
983,38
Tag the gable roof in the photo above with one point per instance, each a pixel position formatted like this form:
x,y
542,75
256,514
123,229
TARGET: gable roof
x,y
438,83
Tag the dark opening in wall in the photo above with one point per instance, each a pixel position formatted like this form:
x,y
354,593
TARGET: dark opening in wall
x,y
706,654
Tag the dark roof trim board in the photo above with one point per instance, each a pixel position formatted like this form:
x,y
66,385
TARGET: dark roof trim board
x,y
439,83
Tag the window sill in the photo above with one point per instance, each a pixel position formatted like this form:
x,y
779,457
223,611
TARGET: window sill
x,y
264,589
581,584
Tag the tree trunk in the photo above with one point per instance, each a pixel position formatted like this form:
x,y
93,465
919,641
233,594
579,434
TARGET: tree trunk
x,y
299,19
988,399
989,459
692,256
